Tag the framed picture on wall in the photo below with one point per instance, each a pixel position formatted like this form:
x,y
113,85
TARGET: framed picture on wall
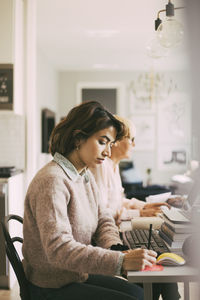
x,y
6,86
173,157
174,123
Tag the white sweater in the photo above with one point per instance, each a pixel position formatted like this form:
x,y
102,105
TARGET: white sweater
x,y
109,182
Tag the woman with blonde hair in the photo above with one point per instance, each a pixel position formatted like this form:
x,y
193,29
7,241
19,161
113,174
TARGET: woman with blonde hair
x,y
109,181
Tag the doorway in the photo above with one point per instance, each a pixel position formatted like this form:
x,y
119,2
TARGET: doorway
x,y
107,97
110,95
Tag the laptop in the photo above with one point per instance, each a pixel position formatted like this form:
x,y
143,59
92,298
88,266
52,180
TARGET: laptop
x,y
184,215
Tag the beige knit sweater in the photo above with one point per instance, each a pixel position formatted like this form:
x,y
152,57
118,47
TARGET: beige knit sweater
x,y
62,218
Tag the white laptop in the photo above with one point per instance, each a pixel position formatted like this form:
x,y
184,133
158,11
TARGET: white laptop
x,y
176,216
184,215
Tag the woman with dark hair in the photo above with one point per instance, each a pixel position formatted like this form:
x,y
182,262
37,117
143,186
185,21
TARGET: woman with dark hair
x,y
67,233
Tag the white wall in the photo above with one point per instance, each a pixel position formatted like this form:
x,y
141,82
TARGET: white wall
x,y
194,47
47,97
69,80
12,44
6,31
48,85
143,159
18,46
35,79
11,52
12,122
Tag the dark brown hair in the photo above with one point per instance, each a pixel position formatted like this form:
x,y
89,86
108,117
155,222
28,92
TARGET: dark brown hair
x,y
82,122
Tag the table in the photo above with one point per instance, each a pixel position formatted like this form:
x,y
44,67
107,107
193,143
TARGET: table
x,y
169,274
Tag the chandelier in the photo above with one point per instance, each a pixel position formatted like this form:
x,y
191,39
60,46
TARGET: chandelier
x,y
152,86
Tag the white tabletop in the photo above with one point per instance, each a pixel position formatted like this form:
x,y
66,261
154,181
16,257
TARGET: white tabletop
x,y
168,274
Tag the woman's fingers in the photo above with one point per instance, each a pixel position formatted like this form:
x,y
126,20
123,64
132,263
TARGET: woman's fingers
x,y
150,212
151,259
161,204
156,205
152,253
146,263
138,259
142,252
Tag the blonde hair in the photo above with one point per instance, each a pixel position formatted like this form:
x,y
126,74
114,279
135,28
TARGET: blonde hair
x,y
129,127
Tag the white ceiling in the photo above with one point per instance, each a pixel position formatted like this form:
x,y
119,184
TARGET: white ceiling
x,y
103,35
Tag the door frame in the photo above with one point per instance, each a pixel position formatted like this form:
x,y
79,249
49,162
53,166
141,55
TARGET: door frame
x,y
120,88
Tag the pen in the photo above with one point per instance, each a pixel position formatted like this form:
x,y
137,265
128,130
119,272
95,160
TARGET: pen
x,y
149,240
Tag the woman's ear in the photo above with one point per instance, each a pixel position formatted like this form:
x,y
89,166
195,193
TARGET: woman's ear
x,y
79,137
76,133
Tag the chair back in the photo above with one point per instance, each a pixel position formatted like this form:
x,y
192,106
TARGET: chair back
x,y
14,257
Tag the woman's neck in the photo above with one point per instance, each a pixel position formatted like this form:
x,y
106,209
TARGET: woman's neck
x,y
75,160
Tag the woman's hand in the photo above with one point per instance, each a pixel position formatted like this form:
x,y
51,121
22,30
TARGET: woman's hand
x,y
117,216
134,204
137,259
152,209
151,212
156,205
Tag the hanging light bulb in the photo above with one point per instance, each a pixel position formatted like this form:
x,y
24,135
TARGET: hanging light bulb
x,y
155,50
170,32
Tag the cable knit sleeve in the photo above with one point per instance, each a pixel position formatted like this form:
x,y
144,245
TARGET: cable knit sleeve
x,y
107,233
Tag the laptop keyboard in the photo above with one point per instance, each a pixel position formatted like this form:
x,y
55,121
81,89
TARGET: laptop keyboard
x,y
138,238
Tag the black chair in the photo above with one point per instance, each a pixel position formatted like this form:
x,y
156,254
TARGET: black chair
x,y
14,257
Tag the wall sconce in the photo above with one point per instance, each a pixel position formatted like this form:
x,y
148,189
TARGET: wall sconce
x,y
170,31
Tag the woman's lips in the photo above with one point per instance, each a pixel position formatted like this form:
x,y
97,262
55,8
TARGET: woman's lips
x,y
100,160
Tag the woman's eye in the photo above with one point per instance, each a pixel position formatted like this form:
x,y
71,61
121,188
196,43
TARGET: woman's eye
x,y
102,142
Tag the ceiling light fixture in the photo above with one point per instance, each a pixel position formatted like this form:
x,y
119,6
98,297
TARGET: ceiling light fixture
x,y
170,31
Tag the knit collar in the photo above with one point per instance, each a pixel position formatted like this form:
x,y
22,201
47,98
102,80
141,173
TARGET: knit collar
x,y
69,168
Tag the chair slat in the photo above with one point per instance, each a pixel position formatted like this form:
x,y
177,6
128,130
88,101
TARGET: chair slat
x,y
14,257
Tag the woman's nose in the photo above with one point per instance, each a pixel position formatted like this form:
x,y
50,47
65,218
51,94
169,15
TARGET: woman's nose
x,y
107,151
132,141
